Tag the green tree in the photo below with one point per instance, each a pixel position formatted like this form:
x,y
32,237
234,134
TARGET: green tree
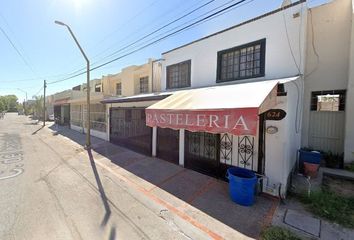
x,y
37,107
8,103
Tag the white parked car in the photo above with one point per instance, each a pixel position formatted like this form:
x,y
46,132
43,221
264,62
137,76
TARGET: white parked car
x,y
51,117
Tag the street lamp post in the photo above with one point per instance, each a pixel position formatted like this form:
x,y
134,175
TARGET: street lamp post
x,y
88,135
25,106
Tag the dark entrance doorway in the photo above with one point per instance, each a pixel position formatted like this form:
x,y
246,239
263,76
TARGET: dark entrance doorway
x,y
66,115
57,114
202,152
168,144
128,129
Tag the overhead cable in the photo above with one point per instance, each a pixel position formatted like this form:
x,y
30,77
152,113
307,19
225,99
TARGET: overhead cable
x,y
154,42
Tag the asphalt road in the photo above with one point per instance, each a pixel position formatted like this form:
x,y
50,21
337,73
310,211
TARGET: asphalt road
x,y
47,193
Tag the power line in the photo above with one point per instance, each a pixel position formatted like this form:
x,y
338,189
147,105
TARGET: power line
x,y
38,91
144,37
218,13
183,24
107,36
160,28
168,35
124,24
139,30
17,51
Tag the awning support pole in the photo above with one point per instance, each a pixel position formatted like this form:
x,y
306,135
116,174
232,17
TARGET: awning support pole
x,y
181,146
154,141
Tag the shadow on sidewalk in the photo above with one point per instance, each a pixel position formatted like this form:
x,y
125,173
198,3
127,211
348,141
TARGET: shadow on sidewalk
x,y
35,132
75,136
100,189
205,193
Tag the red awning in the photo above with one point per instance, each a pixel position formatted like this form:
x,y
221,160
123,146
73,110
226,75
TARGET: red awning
x,y
62,101
221,109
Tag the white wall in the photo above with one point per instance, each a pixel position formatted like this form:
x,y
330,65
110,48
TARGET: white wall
x,y
281,147
328,46
279,61
95,133
349,125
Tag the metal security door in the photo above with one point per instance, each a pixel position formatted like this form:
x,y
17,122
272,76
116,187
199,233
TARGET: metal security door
x,y
128,129
168,144
326,132
202,152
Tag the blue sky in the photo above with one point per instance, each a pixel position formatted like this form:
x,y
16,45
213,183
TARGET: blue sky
x,y
102,27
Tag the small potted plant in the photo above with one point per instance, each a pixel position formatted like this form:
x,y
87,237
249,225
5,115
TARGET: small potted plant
x,y
311,158
333,160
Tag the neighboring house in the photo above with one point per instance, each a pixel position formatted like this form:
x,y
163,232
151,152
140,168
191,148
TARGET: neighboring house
x,y
49,106
131,92
61,107
78,109
223,86
328,115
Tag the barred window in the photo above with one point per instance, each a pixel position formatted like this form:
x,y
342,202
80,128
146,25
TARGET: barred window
x,y
144,85
333,100
179,75
246,61
119,89
76,115
97,117
98,87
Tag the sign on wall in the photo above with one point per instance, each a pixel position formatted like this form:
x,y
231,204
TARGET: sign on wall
x,y
235,121
275,114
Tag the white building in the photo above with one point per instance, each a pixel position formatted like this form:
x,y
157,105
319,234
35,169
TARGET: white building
x,y
229,76
248,96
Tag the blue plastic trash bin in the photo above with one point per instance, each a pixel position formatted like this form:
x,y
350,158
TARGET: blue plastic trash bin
x,y
242,184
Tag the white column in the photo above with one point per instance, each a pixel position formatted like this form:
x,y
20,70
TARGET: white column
x,y
181,146
154,141
82,118
108,119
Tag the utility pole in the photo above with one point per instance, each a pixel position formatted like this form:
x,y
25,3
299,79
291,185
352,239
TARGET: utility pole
x,y
44,116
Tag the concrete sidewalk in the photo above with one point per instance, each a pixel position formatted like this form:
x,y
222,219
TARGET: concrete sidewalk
x,y
184,197
293,216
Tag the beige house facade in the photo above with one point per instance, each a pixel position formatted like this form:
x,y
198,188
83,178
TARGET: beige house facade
x,y
78,109
131,91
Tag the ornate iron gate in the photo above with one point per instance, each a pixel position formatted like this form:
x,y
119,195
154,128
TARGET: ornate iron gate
x,y
128,129
240,151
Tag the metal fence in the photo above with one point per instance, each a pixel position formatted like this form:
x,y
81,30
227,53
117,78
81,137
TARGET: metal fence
x,y
98,117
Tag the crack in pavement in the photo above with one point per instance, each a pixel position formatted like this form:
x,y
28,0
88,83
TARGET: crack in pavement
x,y
138,230
69,222
165,215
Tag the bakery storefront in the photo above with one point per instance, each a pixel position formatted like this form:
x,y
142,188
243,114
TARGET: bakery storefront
x,y
220,126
